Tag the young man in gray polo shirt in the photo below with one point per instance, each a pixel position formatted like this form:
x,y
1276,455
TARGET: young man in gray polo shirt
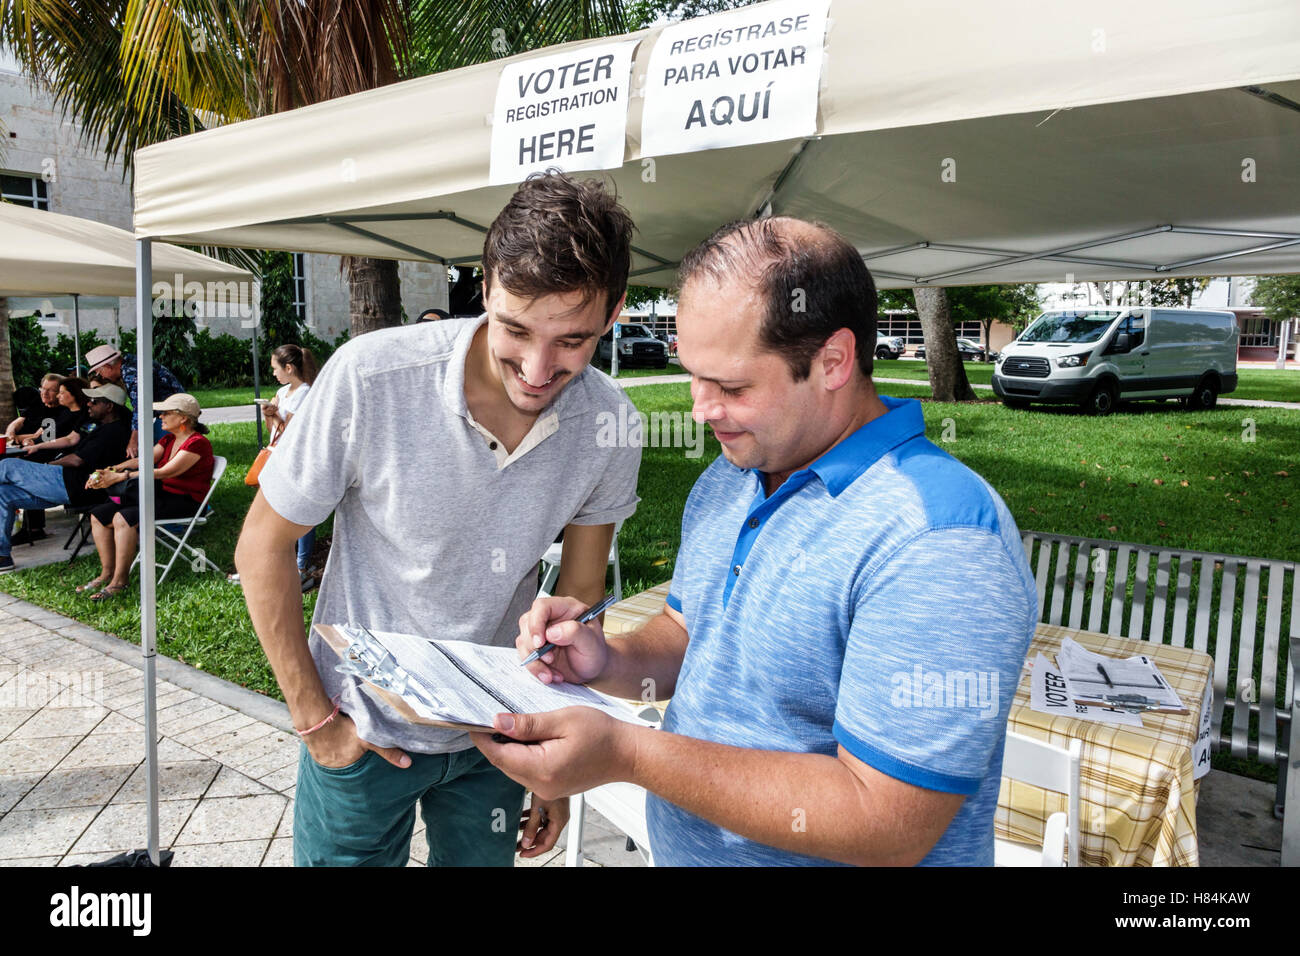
x,y
451,454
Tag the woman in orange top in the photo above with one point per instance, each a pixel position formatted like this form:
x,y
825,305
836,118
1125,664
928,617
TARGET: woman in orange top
x,y
183,463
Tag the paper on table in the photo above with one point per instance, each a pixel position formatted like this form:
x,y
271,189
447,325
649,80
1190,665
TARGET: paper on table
x,y
1136,675
1048,695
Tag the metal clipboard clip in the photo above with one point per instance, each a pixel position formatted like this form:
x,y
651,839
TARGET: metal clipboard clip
x,y
1132,703
366,658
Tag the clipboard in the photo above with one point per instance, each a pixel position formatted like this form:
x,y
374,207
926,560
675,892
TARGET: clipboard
x,y
363,657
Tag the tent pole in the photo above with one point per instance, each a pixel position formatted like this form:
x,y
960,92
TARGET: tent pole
x,y
257,387
76,333
148,596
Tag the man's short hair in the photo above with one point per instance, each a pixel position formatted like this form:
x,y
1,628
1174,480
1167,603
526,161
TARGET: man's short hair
x,y
558,234
813,285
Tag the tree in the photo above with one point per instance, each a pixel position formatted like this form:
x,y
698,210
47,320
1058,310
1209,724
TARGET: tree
x,y
948,380
986,304
1278,296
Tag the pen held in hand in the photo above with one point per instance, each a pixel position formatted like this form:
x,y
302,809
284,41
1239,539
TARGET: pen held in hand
x,y
590,614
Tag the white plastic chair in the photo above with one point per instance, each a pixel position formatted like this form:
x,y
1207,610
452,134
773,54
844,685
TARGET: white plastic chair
x,y
163,533
622,804
555,553
1052,768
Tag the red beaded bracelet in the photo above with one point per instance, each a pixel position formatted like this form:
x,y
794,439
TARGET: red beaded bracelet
x,y
311,730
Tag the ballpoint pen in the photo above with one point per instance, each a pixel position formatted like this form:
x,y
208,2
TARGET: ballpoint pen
x,y
590,614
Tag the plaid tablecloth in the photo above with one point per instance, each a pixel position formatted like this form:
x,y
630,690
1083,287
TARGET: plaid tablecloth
x,y
1137,797
1138,800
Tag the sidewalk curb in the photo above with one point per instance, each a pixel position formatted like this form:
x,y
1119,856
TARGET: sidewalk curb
x,y
245,701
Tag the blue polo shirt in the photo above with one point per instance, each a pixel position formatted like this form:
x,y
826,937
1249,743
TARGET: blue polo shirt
x,y
879,601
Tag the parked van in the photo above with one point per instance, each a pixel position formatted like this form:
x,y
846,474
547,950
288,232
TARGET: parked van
x,y
1097,357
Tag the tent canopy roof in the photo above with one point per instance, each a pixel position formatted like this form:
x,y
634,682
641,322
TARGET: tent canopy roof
x,y
1098,141
43,253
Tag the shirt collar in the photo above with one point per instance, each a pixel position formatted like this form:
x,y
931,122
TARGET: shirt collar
x,y
842,465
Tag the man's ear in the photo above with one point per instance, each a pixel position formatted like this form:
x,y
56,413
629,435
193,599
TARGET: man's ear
x,y
838,358
613,316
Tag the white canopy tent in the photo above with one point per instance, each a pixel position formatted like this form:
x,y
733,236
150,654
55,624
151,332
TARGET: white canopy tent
x,y
44,253
994,142
991,142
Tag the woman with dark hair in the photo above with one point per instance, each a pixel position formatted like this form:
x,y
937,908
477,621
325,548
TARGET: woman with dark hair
x,y
72,396
183,463
294,368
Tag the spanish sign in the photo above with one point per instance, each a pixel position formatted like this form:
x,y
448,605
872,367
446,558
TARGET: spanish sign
x,y
742,77
567,111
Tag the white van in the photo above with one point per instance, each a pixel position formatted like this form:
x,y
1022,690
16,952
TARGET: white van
x,y
1096,357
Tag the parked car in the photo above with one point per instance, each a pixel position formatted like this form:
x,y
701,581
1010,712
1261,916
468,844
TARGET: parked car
x,y
1098,357
890,347
637,345
968,349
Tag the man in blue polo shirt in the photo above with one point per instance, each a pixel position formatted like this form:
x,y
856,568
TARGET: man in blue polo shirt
x,y
850,608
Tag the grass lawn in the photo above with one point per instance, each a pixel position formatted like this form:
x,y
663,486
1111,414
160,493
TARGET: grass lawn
x,y
226,397
1149,473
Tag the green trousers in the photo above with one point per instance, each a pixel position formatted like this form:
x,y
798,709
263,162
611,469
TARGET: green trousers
x,y
364,814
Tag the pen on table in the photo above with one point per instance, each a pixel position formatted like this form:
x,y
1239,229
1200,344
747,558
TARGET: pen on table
x,y
1104,676
591,613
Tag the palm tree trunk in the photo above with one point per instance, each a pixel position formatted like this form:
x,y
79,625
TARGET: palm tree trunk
x,y
947,375
375,294
7,411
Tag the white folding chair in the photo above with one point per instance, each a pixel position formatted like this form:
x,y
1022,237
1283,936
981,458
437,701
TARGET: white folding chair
x,y
555,554
622,804
1052,768
164,528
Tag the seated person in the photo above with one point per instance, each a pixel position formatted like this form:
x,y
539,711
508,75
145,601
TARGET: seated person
x,y
39,420
32,485
183,465
72,399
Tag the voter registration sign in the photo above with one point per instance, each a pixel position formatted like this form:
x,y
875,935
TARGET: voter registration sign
x,y
734,79
567,111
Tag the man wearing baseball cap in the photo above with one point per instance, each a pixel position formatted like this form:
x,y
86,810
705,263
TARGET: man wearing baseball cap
x,y
121,369
29,484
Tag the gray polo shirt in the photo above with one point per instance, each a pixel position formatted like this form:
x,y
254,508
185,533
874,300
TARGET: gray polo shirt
x,y
436,532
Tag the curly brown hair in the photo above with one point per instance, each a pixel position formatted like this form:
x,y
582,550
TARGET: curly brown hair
x,y
558,234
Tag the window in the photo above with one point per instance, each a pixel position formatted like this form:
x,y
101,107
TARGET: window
x,y
30,191
300,286
1258,332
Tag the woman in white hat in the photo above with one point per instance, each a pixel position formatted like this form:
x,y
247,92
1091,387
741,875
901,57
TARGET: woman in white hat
x,y
183,465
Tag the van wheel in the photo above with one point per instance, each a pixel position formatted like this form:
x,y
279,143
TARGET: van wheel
x,y
883,353
1206,395
1103,399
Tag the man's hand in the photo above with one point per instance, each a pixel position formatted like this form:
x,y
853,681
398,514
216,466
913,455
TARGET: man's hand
x,y
337,745
580,654
541,825
576,749
133,445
